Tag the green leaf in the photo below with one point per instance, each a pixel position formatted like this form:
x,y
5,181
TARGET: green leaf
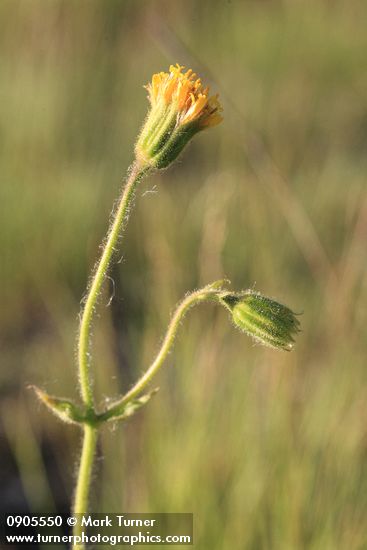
x,y
64,409
121,411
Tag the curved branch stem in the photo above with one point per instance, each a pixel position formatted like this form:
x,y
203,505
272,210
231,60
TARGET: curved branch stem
x,y
208,293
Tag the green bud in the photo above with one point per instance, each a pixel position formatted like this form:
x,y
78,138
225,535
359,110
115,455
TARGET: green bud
x,y
262,318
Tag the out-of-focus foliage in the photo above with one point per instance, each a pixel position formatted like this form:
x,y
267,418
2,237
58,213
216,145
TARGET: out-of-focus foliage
x,y
267,449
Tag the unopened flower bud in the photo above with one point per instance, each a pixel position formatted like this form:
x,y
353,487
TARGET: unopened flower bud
x,y
180,108
267,321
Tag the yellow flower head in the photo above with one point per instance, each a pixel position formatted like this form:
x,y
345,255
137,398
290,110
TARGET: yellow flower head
x,y
185,91
180,108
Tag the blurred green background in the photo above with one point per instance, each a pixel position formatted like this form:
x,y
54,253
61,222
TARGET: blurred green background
x,y
267,449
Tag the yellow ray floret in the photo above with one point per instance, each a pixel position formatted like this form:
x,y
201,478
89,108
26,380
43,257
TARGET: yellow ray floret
x,y
184,91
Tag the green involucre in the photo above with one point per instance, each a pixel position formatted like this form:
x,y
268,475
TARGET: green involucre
x,y
267,321
163,137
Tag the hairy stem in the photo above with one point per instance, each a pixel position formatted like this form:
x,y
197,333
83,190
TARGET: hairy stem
x,y
84,478
90,430
117,225
204,294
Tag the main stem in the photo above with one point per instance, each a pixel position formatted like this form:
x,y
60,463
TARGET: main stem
x,y
84,477
118,224
90,431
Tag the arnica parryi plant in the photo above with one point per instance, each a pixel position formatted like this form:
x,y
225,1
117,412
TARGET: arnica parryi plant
x,y
180,108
